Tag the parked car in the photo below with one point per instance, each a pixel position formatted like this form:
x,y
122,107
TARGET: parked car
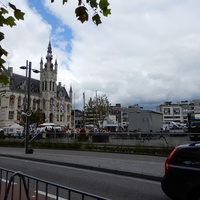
x,y
181,180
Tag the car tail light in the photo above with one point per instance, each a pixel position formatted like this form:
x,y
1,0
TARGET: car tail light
x,y
168,159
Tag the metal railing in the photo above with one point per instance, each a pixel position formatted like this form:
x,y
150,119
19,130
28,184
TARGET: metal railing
x,y
18,186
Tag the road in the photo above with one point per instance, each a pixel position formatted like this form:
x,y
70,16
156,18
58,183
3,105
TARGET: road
x,y
112,186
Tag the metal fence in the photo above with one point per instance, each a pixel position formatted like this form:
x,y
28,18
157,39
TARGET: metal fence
x,y
19,186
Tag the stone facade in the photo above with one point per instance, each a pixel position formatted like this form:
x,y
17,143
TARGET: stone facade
x,y
54,101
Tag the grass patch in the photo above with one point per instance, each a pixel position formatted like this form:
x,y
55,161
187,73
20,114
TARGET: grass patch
x,y
89,146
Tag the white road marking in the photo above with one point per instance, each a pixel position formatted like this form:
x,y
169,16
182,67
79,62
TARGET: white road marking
x,y
50,195
4,180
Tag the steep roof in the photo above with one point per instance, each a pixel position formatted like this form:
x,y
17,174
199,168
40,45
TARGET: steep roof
x,y
18,82
61,92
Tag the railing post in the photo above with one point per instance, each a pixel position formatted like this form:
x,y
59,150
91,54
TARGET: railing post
x,y
12,180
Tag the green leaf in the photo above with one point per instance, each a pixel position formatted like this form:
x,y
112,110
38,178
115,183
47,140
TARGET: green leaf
x,y
3,11
96,19
3,52
81,13
12,6
103,4
2,19
65,1
106,12
2,61
80,10
17,13
93,4
1,36
4,79
10,21
3,68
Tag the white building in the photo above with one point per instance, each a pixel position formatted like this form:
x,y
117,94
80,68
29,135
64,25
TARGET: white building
x,y
54,101
178,111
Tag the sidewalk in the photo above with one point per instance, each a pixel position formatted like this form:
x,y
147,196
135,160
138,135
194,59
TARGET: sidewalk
x,y
140,166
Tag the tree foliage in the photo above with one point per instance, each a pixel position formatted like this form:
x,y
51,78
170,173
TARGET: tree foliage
x,y
37,117
99,106
98,6
8,19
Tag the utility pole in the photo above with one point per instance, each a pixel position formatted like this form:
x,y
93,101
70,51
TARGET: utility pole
x,y
96,109
27,112
84,110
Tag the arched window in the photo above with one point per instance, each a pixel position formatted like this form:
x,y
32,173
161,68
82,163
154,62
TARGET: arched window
x,y
42,85
63,108
11,115
44,105
12,100
45,85
58,107
68,108
38,103
19,102
51,104
51,118
34,104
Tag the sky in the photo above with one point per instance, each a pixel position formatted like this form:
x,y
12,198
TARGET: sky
x,y
145,52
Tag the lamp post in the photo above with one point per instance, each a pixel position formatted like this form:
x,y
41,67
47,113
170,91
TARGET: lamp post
x,y
74,118
25,104
28,91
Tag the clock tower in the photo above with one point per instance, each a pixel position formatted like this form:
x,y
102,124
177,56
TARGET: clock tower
x,y
48,87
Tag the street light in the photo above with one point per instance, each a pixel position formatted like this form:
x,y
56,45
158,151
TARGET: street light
x,y
74,118
28,92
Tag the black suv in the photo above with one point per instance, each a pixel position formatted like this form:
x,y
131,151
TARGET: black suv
x,y
182,173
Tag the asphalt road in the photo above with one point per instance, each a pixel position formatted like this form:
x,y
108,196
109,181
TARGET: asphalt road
x,y
112,186
115,176
149,167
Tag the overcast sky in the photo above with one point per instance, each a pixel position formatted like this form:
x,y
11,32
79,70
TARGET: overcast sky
x,y
145,52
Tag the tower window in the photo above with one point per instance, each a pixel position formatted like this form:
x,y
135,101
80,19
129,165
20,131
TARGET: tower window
x,y
11,115
42,85
12,100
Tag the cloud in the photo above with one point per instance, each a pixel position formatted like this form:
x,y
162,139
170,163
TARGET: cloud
x,y
28,40
145,53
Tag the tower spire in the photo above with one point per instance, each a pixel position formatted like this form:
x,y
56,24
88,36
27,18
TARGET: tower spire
x,y
49,56
41,64
56,65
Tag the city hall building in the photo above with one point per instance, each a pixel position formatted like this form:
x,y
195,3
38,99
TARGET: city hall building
x,y
53,100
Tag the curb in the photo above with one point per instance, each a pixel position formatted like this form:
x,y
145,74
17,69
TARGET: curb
x,y
79,166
